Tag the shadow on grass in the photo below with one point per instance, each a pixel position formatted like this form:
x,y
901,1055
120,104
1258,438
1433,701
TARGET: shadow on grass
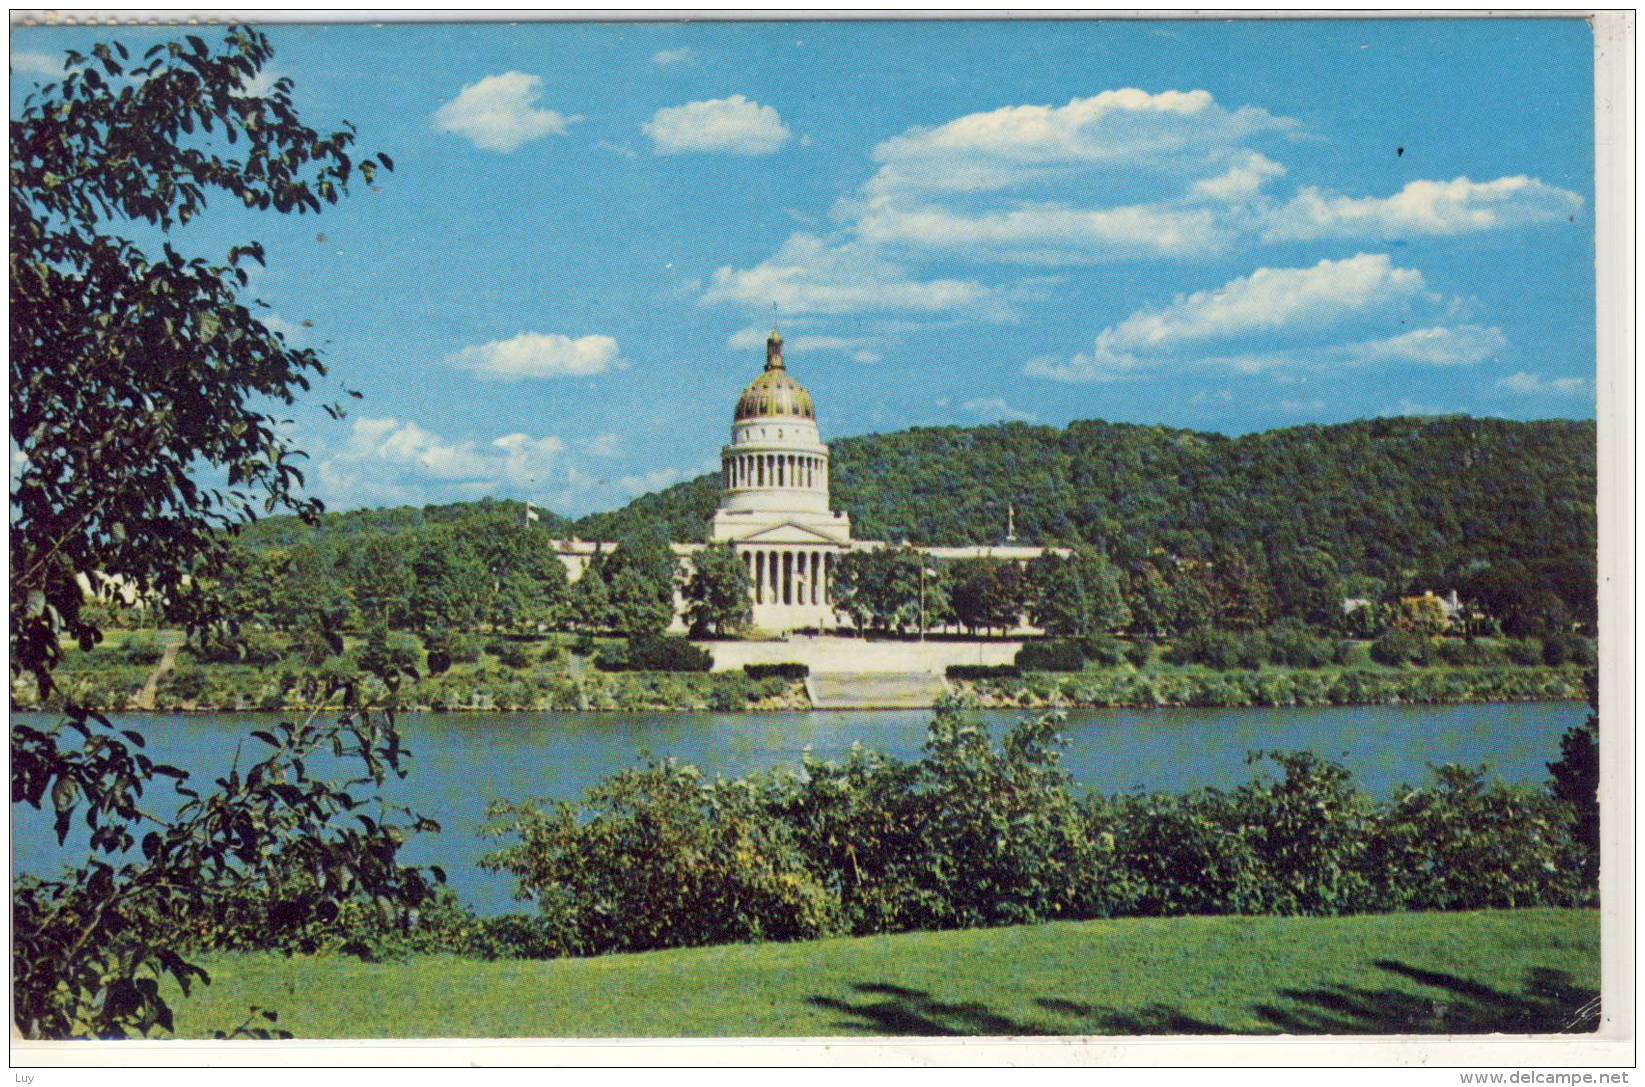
x,y
1549,1002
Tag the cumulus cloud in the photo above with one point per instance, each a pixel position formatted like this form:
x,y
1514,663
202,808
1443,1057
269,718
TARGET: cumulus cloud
x,y
1459,206
1267,300
995,407
1241,181
1440,345
540,355
499,113
670,58
1285,311
998,148
811,275
1046,233
734,125
1529,384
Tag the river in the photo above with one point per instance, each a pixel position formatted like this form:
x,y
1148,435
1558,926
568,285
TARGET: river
x,y
462,762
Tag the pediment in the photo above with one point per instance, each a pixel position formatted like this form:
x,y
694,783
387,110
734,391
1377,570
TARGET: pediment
x,y
788,532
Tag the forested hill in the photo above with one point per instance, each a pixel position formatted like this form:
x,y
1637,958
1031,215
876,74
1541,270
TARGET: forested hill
x,y
1393,498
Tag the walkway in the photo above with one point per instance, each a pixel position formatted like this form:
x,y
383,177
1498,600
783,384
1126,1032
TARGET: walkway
x,y
874,690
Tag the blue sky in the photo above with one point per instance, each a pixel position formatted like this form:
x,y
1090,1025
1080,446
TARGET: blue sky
x,y
1229,226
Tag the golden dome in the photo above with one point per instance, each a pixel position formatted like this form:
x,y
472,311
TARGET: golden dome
x,y
774,394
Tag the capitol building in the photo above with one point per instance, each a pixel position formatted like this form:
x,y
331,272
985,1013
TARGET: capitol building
x,y
774,509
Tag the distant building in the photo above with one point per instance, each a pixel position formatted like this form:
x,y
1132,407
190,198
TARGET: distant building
x,y
774,509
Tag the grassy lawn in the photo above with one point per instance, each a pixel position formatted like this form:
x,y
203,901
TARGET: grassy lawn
x,y
1511,971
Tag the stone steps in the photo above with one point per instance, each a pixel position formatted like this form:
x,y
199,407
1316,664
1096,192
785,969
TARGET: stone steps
x,y
874,690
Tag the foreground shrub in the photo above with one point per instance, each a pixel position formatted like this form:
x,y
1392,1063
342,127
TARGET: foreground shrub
x,y
657,858
976,834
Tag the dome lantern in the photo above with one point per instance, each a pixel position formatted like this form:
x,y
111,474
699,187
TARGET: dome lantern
x,y
775,394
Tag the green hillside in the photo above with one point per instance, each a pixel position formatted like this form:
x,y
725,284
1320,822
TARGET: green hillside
x,y
1503,970
1392,498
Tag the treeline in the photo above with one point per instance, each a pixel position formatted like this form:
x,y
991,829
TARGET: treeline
x,y
1171,531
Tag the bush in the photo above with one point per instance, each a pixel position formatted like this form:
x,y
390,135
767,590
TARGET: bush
x,y
777,671
1102,649
1054,656
1523,651
972,834
1568,649
1298,647
1139,653
654,653
511,654
437,643
1219,649
141,648
981,671
584,646
1397,648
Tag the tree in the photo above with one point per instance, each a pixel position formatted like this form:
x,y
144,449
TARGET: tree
x,y
717,592
1307,587
640,576
1575,776
528,585
1150,601
449,585
1193,601
590,602
1076,596
988,593
381,579
134,376
1242,596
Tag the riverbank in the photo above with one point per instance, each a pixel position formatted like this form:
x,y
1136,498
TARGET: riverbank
x,y
1499,970
564,687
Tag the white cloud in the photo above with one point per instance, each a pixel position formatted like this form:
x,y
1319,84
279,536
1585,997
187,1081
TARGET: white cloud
x,y
1277,318
1528,384
809,275
1458,206
1046,233
994,407
602,445
646,482
735,125
1441,345
499,113
1241,181
1302,407
1206,396
867,358
1128,126
43,65
754,337
540,355
1267,300
668,58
